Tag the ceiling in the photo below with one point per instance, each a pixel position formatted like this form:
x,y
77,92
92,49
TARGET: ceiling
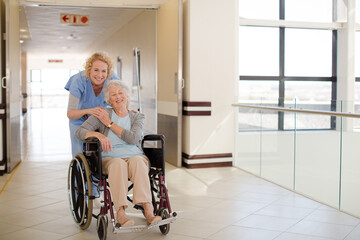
x,y
42,31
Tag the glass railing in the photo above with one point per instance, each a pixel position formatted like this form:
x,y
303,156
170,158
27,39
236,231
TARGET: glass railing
x,y
310,148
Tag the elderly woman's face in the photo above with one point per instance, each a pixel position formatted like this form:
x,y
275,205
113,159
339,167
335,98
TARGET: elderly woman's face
x,y
118,97
98,72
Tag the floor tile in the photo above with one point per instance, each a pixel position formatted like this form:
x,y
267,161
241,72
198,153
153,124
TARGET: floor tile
x,y
9,196
242,233
326,230
257,197
215,216
8,228
194,228
285,211
355,234
31,202
29,233
6,210
267,222
294,236
335,217
240,206
296,200
195,201
67,226
170,236
60,208
28,218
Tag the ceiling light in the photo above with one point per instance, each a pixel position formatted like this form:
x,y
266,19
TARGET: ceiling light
x,y
72,37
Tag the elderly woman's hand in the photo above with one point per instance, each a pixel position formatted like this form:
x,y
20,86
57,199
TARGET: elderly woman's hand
x,y
105,142
102,115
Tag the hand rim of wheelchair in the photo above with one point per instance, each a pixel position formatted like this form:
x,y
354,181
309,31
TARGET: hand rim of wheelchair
x,y
82,218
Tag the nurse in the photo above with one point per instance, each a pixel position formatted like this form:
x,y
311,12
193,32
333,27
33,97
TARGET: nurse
x,y
85,93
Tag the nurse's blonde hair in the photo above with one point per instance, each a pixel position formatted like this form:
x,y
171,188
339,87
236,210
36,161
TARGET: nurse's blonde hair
x,y
98,56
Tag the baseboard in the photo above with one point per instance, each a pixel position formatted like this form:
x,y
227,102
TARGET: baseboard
x,y
207,160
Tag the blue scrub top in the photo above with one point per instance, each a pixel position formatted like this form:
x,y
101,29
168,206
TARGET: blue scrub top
x,y
81,87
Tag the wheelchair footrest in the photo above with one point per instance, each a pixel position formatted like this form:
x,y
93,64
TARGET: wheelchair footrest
x,y
139,228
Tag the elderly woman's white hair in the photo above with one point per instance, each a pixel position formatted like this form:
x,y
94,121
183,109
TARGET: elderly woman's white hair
x,y
115,83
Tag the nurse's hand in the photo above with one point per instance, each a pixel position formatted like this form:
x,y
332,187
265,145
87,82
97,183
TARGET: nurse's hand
x,y
92,110
105,142
102,115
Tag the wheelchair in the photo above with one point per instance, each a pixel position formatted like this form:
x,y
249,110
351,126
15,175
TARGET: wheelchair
x,y
85,169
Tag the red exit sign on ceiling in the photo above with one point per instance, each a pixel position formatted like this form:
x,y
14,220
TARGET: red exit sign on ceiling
x,y
74,19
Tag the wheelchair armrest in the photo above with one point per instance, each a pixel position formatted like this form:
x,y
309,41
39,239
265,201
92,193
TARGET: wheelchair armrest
x,y
153,137
91,140
91,143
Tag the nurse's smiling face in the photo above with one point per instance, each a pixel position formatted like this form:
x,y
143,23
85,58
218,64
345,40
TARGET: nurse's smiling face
x,y
98,72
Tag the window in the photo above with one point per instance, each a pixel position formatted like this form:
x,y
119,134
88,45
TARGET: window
x,y
73,72
259,46
253,91
35,75
47,88
308,52
250,9
280,64
308,10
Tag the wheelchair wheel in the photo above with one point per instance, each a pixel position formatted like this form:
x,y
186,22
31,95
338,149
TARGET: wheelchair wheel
x,y
79,190
163,213
102,224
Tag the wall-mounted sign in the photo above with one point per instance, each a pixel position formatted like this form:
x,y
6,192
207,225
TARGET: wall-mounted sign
x,y
55,60
74,19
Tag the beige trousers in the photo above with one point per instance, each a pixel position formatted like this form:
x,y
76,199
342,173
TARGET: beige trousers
x,y
119,170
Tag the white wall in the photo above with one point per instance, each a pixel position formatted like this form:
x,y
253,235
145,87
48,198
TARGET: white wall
x,y
139,32
210,73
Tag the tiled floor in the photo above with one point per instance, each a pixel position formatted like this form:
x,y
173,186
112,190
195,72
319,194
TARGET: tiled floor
x,y
215,203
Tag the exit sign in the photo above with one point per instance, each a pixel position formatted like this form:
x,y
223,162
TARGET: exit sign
x,y
74,19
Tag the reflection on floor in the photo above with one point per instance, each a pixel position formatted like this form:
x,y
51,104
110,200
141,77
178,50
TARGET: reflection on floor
x,y
215,203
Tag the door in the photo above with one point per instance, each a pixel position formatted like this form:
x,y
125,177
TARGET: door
x,y
12,85
169,69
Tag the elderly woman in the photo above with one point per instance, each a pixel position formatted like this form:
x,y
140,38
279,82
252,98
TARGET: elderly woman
x,y
120,132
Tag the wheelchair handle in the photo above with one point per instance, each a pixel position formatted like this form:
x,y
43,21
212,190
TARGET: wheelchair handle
x,y
154,137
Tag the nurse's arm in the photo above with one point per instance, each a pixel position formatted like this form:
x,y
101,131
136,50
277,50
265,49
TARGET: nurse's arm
x,y
73,111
